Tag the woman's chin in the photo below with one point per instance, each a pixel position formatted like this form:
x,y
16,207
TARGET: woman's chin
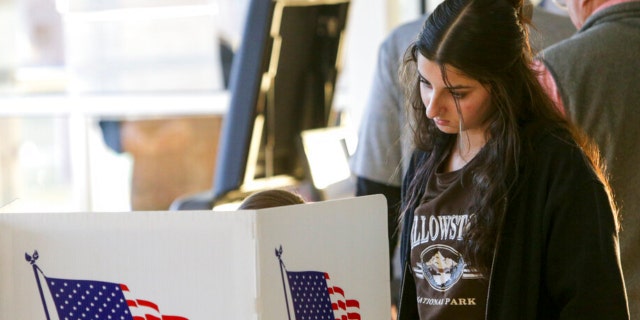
x,y
448,130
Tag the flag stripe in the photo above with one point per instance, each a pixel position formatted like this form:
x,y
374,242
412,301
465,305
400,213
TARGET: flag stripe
x,y
353,316
148,304
353,303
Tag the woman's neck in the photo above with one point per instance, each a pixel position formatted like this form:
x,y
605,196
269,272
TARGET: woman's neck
x,y
464,150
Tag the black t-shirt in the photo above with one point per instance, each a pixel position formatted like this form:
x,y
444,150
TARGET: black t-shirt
x,y
447,287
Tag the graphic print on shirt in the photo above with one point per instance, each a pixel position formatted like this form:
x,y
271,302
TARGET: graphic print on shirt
x,y
448,286
441,265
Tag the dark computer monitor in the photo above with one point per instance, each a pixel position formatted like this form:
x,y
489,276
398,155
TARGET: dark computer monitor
x,y
282,83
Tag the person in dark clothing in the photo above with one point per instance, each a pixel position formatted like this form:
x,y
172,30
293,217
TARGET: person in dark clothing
x,y
506,212
384,142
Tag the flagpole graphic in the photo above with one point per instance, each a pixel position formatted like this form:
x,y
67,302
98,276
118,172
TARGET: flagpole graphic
x,y
312,297
282,268
90,299
32,260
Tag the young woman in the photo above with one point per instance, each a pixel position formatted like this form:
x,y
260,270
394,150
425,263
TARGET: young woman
x,y
506,213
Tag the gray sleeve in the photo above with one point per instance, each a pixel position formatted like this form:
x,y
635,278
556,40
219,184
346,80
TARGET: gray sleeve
x,y
384,143
378,154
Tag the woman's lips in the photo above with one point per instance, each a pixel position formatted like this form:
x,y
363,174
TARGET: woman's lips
x,y
441,122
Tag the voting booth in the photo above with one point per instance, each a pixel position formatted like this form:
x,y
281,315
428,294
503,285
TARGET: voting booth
x,y
324,260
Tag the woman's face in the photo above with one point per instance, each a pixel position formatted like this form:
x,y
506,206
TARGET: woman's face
x,y
439,99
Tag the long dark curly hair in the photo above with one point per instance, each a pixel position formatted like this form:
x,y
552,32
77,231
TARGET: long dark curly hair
x,y
488,41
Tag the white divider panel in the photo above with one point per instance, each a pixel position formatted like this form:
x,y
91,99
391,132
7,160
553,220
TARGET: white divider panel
x,y
197,264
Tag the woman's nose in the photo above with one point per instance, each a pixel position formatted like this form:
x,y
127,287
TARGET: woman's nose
x,y
432,106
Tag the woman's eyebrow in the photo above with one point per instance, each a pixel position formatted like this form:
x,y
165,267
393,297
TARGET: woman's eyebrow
x,y
452,88
458,87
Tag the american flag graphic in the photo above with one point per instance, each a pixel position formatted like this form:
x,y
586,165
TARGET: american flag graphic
x,y
96,300
313,298
87,299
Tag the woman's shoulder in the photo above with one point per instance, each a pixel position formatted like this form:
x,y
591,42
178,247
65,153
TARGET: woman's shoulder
x,y
557,150
547,135
418,155
553,140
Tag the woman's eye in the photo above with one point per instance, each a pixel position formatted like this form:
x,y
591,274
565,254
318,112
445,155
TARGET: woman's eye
x,y
424,81
457,95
